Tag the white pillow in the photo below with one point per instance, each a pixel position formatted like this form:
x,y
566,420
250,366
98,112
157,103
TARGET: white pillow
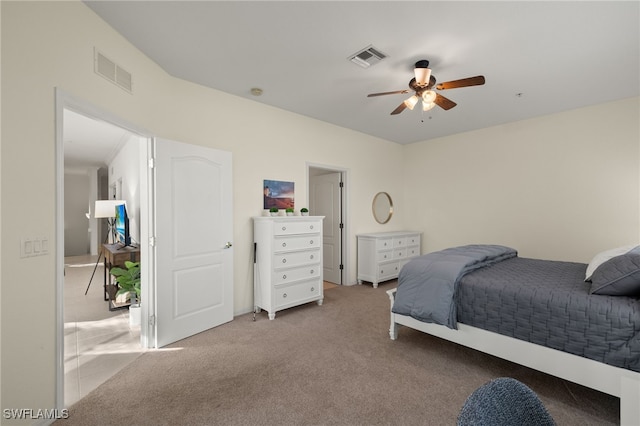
x,y
602,257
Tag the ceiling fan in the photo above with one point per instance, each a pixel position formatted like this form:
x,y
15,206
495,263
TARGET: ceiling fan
x,y
422,84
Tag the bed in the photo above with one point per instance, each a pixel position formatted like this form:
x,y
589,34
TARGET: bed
x,y
575,321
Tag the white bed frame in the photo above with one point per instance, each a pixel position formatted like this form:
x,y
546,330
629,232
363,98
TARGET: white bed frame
x,y
619,382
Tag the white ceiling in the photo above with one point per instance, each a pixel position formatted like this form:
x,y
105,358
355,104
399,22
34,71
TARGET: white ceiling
x,y
89,142
557,55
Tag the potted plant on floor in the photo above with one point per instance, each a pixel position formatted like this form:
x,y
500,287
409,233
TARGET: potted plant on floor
x,y
128,280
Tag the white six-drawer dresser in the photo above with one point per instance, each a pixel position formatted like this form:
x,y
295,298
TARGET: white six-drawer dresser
x,y
381,255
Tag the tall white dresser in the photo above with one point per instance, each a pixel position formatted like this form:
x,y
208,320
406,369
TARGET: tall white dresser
x,y
288,262
381,255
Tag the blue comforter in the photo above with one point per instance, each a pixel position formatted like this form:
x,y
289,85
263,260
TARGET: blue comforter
x,y
427,284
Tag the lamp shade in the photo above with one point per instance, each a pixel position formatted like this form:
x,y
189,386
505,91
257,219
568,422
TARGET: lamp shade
x,y
426,106
429,96
422,72
106,208
422,76
411,102
428,100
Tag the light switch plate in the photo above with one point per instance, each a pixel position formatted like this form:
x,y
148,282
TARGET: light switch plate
x,y
34,246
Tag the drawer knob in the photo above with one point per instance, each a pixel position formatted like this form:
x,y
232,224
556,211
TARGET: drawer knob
x,y
310,226
311,272
284,260
284,228
311,257
284,277
284,296
311,242
312,288
284,244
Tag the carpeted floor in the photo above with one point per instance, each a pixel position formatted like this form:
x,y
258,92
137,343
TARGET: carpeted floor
x,y
318,365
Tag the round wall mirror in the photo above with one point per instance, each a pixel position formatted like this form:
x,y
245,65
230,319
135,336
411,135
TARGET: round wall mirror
x,y
382,207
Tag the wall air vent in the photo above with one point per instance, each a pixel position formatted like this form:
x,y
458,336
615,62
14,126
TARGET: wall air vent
x,y
112,72
367,57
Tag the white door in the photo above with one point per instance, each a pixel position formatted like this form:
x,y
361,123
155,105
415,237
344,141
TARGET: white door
x,y
194,229
326,200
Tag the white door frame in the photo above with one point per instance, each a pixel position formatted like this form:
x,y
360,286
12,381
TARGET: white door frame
x,y
65,100
345,214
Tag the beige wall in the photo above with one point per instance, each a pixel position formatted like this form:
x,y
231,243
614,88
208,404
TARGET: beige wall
x,y
268,143
48,45
561,186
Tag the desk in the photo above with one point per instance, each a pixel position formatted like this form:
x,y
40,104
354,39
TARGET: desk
x,y
114,256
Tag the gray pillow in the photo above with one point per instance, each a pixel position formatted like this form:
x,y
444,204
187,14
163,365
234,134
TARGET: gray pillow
x,y
618,276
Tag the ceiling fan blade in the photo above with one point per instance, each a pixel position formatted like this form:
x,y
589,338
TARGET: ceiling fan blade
x,y
443,102
400,108
465,82
388,93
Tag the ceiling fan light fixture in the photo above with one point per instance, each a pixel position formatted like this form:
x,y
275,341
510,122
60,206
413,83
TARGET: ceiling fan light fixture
x,y
422,72
411,102
428,96
422,76
426,106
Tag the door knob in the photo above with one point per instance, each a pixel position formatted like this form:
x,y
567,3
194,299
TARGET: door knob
x,y
228,245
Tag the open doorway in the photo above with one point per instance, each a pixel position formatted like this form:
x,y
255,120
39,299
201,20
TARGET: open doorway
x,y
95,341
158,163
327,197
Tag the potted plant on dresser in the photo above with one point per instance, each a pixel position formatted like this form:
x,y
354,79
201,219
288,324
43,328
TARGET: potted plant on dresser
x,y
128,280
304,211
289,212
274,211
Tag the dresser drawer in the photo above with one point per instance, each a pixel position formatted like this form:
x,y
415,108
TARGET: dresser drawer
x,y
383,256
399,242
384,244
413,240
413,251
295,258
284,276
296,242
400,253
294,294
388,270
289,228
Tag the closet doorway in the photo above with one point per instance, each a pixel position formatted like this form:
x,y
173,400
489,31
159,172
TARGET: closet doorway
x,y
327,197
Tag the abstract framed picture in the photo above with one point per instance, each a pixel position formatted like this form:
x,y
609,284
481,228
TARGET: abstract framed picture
x,y
278,194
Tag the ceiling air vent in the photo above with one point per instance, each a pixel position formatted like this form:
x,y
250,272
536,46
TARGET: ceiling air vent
x,y
112,72
367,57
